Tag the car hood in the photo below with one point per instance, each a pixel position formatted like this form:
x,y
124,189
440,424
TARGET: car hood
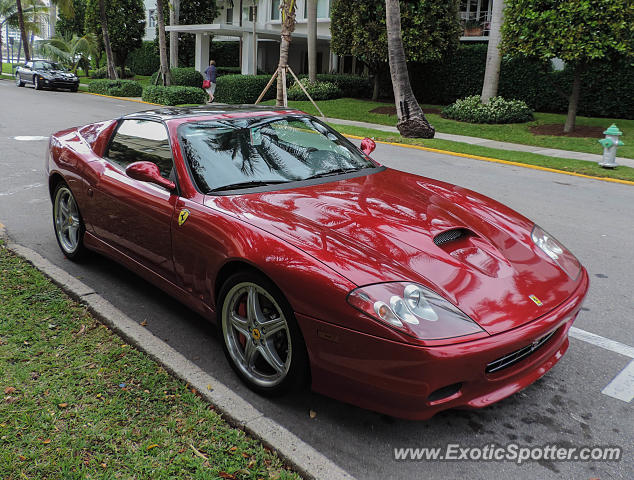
x,y
381,227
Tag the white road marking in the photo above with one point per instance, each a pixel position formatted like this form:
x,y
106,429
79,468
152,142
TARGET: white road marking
x,y
602,342
622,386
30,138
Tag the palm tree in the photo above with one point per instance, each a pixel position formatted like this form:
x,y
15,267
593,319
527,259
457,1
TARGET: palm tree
x,y
8,16
71,51
66,7
411,120
311,15
23,35
103,19
494,57
174,20
164,72
287,13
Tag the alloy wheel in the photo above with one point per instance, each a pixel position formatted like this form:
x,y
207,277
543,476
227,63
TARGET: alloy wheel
x,y
67,220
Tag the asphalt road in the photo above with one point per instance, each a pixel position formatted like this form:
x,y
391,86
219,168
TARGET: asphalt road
x,y
593,218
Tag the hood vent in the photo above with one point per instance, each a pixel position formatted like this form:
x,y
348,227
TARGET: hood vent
x,y
450,236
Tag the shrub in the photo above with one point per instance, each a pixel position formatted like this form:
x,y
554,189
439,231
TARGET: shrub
x,y
174,95
183,77
498,110
226,54
144,60
103,73
242,88
228,70
317,90
116,88
354,86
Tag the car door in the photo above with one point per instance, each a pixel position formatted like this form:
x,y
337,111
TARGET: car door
x,y
133,216
25,72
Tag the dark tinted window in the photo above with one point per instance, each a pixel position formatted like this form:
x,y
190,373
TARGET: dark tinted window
x,y
240,153
142,140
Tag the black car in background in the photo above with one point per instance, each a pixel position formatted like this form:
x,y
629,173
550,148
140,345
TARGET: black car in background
x,y
42,73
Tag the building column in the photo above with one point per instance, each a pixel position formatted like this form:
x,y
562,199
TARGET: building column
x,y
248,53
201,58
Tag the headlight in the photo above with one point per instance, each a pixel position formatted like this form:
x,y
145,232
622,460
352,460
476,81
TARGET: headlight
x,y
556,251
413,309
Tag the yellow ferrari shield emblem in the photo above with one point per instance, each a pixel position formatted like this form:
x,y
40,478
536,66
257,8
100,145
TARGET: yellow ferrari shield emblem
x,y
183,216
256,334
537,301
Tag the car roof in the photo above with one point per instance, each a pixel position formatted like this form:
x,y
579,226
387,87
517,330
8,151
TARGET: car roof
x,y
210,111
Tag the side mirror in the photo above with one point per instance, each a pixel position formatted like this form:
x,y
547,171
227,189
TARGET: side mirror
x,y
368,145
149,172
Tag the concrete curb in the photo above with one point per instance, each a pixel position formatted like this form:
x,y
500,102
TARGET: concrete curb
x,y
303,458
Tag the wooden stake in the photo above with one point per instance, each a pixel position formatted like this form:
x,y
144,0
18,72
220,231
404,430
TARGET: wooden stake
x,y
284,85
306,92
268,85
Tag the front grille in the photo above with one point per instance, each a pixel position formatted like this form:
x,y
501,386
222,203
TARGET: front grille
x,y
512,358
449,236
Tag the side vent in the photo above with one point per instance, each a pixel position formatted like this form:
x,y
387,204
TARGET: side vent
x,y
450,236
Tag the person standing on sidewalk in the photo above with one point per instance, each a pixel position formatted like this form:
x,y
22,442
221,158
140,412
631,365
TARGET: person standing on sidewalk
x,y
210,75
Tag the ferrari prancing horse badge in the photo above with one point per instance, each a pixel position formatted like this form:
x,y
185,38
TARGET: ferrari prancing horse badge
x,y
183,216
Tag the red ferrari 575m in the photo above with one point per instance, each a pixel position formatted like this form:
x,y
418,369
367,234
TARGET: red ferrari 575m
x,y
394,292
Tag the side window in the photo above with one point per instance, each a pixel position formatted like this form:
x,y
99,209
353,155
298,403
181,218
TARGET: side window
x,y
28,64
141,140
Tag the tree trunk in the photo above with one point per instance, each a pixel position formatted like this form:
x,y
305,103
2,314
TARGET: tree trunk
x,y
411,120
287,14
23,36
573,103
1,49
174,19
311,14
112,72
164,73
494,57
52,19
377,84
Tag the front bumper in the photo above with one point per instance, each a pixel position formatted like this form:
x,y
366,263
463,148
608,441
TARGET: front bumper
x,y
415,382
60,83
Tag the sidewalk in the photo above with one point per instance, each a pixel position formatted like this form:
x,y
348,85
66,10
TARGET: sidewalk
x,y
550,152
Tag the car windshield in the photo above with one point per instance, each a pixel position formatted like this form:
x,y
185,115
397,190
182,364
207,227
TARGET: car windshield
x,y
244,153
41,65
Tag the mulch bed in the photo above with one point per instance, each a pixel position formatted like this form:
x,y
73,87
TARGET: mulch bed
x,y
392,110
557,129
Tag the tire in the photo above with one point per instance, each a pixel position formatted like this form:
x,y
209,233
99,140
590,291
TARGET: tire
x,y
68,224
269,362
18,80
36,83
74,88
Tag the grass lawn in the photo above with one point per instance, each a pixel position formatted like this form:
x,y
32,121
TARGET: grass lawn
x,y
77,402
356,109
566,165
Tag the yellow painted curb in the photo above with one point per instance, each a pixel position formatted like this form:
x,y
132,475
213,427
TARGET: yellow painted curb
x,y
497,160
123,98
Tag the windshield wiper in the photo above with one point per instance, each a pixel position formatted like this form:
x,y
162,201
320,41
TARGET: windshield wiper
x,y
338,171
254,183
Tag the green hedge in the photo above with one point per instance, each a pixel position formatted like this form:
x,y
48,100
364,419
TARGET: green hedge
x,y
607,88
174,95
242,88
103,73
144,60
116,88
354,86
228,70
498,110
183,77
317,90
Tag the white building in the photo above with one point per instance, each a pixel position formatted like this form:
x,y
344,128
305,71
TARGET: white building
x,y
150,20
259,39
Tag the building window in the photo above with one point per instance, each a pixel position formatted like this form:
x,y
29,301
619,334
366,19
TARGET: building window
x,y
229,18
476,17
323,8
275,9
248,13
151,18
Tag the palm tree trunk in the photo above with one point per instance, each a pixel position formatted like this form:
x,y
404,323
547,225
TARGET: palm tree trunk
x,y
411,120
494,57
377,86
52,19
311,6
165,71
573,102
23,36
112,72
287,14
174,19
